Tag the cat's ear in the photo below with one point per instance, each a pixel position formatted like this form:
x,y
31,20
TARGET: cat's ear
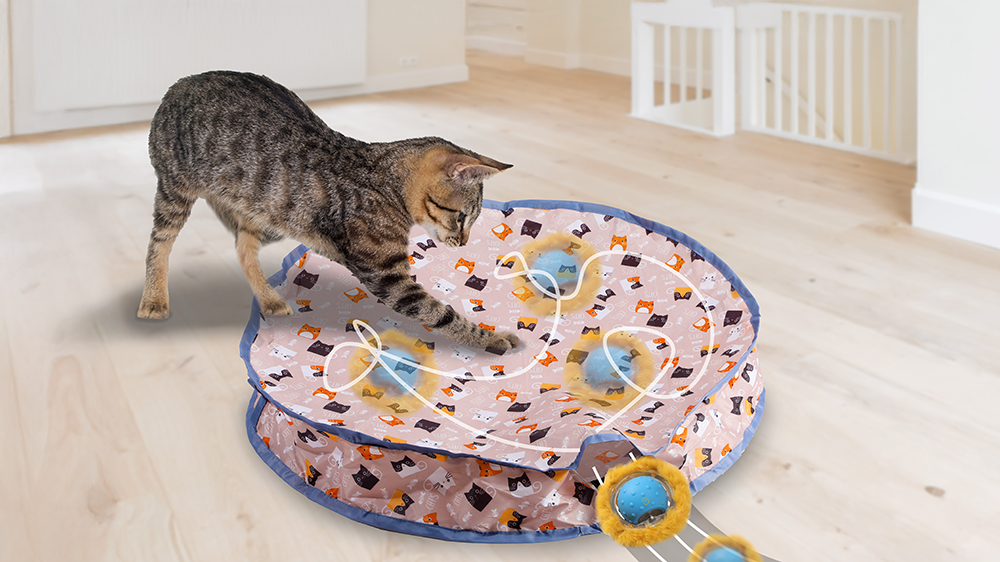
x,y
468,170
499,166
471,173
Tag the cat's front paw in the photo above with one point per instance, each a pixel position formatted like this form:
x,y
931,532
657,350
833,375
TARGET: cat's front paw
x,y
502,342
153,309
277,307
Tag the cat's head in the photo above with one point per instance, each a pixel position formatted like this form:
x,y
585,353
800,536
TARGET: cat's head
x,y
445,191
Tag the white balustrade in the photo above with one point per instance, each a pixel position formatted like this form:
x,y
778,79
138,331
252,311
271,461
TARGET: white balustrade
x,y
714,114
785,50
830,121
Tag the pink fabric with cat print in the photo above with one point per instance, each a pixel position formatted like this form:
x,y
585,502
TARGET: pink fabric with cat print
x,y
521,431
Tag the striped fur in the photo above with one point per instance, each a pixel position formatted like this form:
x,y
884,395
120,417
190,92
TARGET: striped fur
x,y
271,168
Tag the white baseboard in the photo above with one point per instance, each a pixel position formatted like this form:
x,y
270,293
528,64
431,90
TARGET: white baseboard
x,y
610,65
54,121
420,78
496,45
554,59
956,216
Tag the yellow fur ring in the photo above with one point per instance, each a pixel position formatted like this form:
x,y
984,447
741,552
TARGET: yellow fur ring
x,y
636,342
644,502
404,356
723,548
590,375
565,260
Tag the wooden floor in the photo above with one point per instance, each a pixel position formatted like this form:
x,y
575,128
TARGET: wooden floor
x,y
879,343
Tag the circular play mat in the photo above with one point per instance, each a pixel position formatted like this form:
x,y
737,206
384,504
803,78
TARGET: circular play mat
x,y
636,340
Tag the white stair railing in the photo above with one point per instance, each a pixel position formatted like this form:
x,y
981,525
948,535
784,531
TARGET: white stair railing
x,y
770,91
714,114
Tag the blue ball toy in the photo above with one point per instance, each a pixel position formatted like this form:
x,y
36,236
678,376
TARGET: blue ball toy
x,y
724,554
642,498
598,371
407,373
561,266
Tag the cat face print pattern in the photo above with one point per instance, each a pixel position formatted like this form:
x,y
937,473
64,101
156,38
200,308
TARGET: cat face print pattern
x,y
692,319
457,493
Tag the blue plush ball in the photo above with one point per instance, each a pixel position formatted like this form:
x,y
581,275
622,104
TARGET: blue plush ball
x,y
561,266
597,370
724,555
641,498
408,373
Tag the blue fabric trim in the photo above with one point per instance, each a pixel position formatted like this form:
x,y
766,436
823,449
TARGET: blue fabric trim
x,y
708,477
254,410
253,325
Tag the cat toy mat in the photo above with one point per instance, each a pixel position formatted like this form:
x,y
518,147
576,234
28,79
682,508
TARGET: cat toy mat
x,y
636,341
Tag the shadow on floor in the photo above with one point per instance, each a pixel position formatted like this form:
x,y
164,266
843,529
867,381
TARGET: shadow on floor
x,y
215,300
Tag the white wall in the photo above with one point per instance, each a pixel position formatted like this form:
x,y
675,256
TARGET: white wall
x,y
958,172
433,30
496,25
5,104
553,33
606,36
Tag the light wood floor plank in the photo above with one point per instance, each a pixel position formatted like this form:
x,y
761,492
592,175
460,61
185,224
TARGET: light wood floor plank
x,y
13,531
125,440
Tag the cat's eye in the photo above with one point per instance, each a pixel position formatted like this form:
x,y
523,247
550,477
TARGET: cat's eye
x,y
440,206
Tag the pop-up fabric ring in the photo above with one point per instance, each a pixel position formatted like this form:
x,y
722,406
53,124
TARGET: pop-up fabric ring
x,y
645,346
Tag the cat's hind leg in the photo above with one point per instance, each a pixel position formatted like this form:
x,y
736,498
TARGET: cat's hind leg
x,y
249,239
171,209
248,242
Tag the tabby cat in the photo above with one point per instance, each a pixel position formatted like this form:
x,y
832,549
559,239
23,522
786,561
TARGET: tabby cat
x,y
269,167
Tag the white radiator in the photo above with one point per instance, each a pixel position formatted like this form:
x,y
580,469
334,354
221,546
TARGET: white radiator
x,y
113,53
